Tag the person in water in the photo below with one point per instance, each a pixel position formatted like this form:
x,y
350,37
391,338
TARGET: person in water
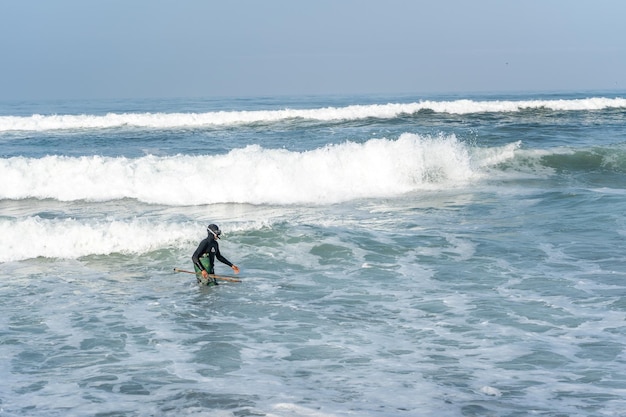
x,y
210,247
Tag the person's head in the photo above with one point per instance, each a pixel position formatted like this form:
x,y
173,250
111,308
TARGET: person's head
x,y
214,230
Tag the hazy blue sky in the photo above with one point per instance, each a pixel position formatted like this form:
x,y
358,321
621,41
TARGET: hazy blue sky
x,y
206,48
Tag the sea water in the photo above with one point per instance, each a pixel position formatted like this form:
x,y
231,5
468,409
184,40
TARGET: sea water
x,y
400,256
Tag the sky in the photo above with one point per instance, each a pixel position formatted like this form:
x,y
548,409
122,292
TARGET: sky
x,y
92,49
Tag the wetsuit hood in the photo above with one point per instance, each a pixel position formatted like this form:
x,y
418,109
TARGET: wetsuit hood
x,y
214,230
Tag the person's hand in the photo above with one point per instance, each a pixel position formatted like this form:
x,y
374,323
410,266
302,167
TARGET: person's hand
x,y
205,274
235,268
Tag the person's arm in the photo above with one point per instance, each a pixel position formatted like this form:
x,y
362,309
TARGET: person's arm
x,y
223,260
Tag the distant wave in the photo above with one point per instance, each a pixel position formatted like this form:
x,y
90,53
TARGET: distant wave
x,y
38,122
254,175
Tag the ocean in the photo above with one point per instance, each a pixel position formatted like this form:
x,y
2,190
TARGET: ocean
x,y
442,255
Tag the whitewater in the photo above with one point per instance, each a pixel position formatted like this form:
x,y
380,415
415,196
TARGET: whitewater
x,y
407,255
39,122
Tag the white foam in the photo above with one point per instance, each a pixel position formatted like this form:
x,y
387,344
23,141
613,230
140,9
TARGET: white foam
x,y
289,409
72,238
38,122
337,173
491,391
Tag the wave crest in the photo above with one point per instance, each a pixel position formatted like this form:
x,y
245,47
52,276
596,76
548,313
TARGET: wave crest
x,y
254,175
38,122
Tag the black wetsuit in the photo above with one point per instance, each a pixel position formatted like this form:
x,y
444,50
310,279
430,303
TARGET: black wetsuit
x,y
212,248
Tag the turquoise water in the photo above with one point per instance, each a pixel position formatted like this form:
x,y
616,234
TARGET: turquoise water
x,y
450,256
